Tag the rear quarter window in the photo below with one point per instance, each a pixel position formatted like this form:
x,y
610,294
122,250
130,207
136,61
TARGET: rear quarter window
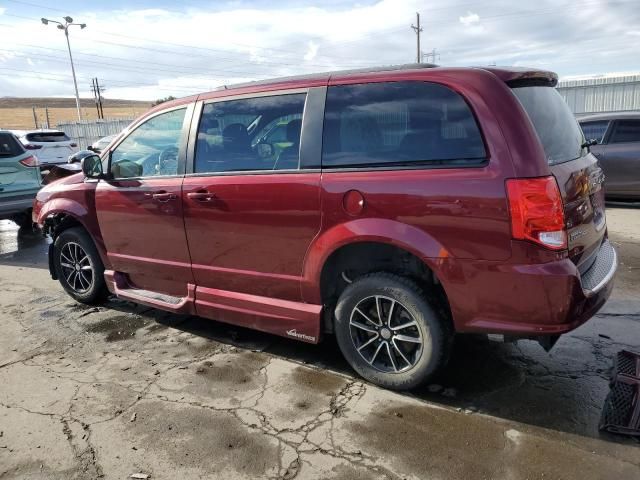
x,y
9,146
595,130
399,124
47,137
625,131
557,128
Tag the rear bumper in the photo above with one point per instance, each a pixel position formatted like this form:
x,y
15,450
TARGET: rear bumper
x,y
528,299
17,204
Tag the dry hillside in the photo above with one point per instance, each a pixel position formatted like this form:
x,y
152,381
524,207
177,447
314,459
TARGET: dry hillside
x,y
17,113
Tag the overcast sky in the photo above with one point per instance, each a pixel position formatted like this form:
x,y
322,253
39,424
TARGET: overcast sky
x,y
149,49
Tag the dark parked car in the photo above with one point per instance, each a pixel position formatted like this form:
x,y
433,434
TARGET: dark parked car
x,y
618,150
409,204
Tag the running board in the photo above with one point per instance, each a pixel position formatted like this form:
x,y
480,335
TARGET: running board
x,y
118,284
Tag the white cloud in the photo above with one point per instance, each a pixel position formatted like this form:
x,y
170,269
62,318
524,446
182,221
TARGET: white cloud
x,y
312,52
190,50
2,10
469,19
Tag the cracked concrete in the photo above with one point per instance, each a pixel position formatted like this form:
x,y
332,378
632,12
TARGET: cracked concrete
x,y
105,392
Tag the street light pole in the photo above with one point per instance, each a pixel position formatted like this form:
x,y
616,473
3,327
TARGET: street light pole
x,y
65,26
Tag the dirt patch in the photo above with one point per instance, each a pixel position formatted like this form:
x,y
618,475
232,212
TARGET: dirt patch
x,y
120,327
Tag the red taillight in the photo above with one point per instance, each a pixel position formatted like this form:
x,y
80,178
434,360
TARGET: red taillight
x,y
31,146
30,161
537,213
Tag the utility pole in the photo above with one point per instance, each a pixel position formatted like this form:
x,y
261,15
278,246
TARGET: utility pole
x,y
68,21
416,28
433,56
97,90
35,117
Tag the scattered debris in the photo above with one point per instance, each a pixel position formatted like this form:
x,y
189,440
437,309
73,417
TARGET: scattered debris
x,y
140,476
124,369
133,417
621,411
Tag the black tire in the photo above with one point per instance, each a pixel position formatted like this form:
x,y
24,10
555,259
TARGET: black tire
x,y
23,219
412,364
74,280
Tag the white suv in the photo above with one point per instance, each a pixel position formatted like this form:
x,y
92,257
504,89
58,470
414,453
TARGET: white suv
x,y
50,146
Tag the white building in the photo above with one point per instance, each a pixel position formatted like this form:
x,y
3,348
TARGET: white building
x,y
605,93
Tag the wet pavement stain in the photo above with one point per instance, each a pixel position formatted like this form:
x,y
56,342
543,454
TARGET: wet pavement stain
x,y
316,381
458,445
203,439
120,327
241,371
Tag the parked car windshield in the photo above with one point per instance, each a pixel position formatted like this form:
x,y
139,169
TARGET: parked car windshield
x,y
557,128
9,147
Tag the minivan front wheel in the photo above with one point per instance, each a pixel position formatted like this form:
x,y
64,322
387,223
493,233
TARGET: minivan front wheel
x,y
78,266
388,331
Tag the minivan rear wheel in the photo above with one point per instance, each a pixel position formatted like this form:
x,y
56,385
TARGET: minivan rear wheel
x,y
78,266
389,333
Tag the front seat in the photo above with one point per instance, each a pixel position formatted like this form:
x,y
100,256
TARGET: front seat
x,y
289,158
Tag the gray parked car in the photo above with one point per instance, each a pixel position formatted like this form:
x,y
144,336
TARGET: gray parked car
x,y
618,149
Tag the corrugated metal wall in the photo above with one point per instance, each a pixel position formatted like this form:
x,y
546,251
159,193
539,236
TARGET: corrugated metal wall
x,y
86,132
612,94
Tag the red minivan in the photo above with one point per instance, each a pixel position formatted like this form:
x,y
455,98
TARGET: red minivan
x,y
392,208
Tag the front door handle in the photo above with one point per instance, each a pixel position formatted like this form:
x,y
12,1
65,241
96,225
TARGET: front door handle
x,y
201,196
161,196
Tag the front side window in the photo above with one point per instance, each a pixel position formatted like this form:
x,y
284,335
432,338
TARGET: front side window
x,y
152,149
595,130
398,124
626,131
251,134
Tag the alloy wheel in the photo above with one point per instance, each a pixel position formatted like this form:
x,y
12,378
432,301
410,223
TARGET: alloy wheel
x,y
385,334
77,267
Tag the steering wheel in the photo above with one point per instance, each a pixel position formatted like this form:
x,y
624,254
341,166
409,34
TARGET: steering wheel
x,y
168,161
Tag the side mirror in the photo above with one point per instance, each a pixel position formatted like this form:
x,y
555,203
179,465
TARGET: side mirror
x,y
125,169
92,167
265,150
91,148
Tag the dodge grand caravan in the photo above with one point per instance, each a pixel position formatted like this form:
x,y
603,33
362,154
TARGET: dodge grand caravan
x,y
406,205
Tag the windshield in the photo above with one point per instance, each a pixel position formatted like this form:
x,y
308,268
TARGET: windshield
x,y
557,128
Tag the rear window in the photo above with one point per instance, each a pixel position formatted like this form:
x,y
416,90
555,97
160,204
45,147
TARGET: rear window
x,y
397,124
47,137
557,128
9,146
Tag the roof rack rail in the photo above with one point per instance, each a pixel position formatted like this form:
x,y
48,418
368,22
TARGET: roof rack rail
x,y
388,68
